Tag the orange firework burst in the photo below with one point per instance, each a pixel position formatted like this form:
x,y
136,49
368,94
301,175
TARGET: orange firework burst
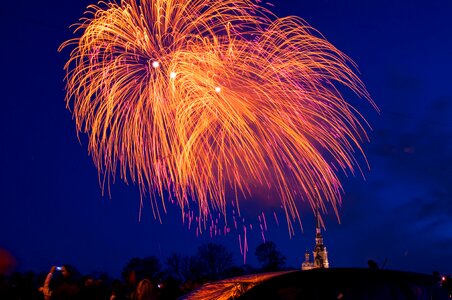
x,y
201,100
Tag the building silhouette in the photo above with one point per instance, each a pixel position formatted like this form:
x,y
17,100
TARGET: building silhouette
x,y
320,255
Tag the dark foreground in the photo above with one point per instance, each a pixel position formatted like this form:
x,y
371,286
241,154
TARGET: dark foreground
x,y
326,284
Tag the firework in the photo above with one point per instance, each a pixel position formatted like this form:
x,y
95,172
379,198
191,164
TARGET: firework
x,y
204,101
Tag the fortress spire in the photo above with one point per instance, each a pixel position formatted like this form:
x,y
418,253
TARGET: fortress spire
x,y
320,255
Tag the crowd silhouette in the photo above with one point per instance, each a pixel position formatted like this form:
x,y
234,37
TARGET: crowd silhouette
x,y
142,278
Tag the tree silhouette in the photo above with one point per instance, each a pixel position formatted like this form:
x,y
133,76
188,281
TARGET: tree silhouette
x,y
270,258
184,268
140,268
174,267
215,261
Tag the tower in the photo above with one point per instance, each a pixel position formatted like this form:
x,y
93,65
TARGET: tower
x,y
307,264
320,255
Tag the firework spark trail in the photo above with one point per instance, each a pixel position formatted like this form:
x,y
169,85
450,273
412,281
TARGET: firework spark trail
x,y
192,98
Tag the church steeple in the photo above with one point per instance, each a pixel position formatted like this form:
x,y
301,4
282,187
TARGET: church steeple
x,y
318,229
320,255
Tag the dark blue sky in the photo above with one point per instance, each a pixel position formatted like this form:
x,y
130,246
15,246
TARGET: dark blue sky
x,y
52,210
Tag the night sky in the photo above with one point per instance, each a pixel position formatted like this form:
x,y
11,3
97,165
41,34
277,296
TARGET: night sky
x,y
52,210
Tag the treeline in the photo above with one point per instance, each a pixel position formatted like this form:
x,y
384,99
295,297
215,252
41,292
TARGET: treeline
x,y
171,278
